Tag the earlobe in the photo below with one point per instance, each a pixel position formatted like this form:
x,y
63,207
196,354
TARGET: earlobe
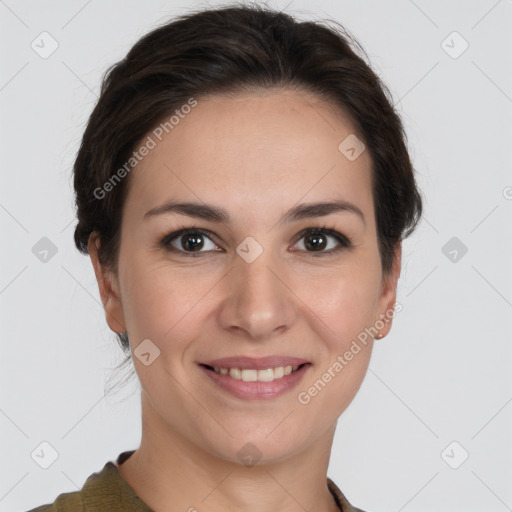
x,y
387,299
108,288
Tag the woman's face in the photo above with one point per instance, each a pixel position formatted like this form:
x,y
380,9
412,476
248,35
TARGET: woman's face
x,y
256,283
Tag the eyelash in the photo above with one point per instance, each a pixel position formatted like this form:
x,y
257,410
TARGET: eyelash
x,y
344,241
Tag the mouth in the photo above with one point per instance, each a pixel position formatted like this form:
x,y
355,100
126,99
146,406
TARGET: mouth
x,y
255,383
253,374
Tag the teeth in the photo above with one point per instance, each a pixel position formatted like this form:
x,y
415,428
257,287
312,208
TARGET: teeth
x,y
250,375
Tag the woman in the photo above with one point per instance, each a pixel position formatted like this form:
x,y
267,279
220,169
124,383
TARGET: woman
x,y
242,187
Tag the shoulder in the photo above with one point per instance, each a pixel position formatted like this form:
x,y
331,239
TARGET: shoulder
x,y
341,500
102,490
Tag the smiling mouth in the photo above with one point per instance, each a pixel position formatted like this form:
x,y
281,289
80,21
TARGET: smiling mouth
x,y
253,375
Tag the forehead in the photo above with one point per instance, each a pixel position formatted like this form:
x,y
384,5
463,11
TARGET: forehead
x,y
253,148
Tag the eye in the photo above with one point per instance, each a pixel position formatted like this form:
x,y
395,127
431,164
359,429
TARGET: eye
x,y
316,240
189,241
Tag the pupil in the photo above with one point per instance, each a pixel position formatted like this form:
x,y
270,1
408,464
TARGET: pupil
x,y
197,242
315,238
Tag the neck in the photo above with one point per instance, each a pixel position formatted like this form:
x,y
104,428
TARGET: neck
x,y
168,469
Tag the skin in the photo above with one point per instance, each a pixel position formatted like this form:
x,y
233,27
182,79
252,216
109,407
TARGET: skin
x,y
256,154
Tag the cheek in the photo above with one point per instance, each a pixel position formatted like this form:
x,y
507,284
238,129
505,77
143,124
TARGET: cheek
x,y
163,304
345,299
346,305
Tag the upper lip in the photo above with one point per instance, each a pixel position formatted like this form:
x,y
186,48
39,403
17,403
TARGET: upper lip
x,y
261,363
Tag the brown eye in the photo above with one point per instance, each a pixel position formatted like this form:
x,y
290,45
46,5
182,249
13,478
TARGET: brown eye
x,y
319,240
189,241
315,241
192,242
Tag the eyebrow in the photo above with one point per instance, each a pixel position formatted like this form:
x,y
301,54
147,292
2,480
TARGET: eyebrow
x,y
216,214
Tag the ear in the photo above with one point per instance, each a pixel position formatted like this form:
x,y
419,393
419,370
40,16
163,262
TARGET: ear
x,y
387,297
108,286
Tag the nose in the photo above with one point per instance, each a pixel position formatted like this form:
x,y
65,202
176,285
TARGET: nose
x,y
259,302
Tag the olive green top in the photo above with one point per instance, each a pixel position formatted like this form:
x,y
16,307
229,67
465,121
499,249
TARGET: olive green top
x,y
107,490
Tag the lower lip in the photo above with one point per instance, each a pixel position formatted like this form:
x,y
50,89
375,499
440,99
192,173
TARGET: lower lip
x,y
257,390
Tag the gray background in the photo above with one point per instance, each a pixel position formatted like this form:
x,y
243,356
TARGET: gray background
x,y
441,376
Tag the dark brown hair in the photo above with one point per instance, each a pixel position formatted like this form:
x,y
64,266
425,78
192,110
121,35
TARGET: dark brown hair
x,y
226,50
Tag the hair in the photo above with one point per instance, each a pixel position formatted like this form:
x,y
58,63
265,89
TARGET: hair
x,y
225,50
